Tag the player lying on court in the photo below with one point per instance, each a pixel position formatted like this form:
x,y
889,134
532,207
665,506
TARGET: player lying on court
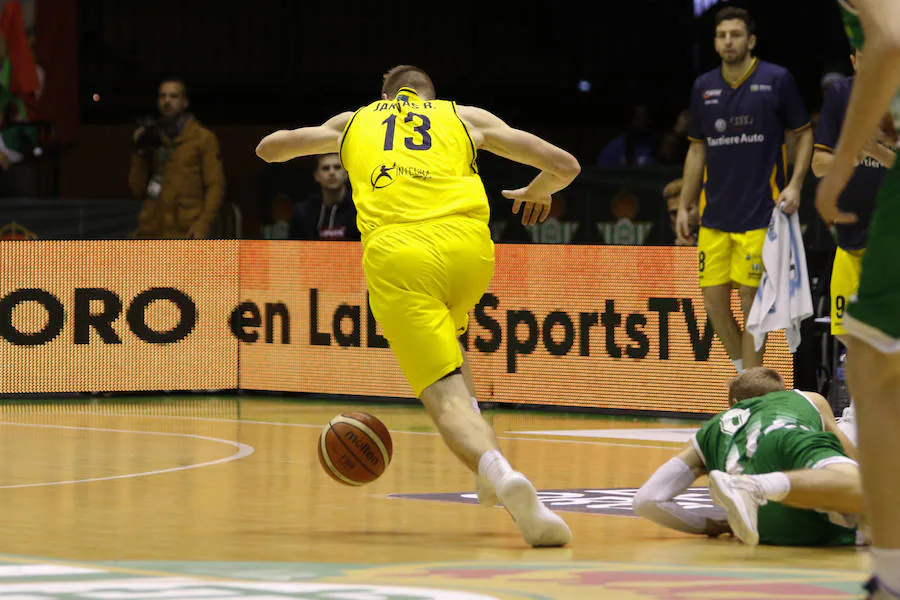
x,y
427,252
778,463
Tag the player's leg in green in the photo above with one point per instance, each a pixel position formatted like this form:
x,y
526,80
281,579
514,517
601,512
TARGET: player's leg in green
x,y
790,481
874,379
873,369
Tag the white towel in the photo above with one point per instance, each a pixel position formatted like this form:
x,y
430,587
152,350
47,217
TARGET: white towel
x,y
783,299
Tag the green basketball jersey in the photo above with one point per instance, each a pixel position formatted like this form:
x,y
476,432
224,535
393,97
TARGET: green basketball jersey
x,y
730,438
851,24
873,314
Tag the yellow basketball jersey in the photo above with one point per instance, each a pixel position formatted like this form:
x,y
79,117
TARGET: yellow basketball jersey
x,y
411,160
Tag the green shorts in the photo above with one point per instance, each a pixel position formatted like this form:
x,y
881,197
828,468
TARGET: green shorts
x,y
874,316
790,450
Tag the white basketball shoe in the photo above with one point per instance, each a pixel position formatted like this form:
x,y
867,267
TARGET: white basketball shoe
x,y
540,526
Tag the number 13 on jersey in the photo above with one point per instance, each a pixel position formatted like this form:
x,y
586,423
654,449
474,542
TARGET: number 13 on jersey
x,y
410,142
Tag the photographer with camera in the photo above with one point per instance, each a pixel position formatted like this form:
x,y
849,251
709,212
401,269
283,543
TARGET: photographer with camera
x,y
176,168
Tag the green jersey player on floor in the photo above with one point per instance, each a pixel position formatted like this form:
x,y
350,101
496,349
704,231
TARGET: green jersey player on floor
x,y
873,318
778,464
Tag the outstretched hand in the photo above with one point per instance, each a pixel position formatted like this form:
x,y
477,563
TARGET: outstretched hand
x,y
536,206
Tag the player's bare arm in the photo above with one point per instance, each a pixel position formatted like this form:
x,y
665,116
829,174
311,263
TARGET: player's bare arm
x,y
285,145
690,190
821,162
877,79
789,199
655,500
558,167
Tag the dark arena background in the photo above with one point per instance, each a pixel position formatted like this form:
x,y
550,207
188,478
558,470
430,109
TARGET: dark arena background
x,y
161,398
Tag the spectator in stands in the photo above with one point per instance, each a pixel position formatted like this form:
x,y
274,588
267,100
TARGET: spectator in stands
x,y
176,168
328,214
674,145
635,147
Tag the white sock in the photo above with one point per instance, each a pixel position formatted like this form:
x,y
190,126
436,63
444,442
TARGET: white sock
x,y
493,466
738,364
775,485
887,568
475,405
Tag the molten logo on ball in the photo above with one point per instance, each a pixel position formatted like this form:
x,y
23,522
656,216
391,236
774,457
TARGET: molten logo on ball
x,y
362,446
355,448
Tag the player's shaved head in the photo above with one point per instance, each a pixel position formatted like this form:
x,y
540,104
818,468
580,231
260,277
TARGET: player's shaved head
x,y
753,383
408,76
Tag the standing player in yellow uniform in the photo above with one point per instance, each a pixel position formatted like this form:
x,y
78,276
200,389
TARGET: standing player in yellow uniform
x,y
428,255
736,170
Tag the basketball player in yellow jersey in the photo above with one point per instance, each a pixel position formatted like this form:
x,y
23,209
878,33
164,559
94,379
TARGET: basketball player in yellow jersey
x,y
427,251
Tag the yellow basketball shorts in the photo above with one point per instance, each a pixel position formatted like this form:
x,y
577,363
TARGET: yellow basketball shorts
x,y
423,281
724,257
845,274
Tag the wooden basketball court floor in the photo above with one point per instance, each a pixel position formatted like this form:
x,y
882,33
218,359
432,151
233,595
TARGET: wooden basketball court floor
x,y
205,497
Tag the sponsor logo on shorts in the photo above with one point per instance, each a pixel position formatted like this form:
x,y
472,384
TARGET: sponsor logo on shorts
x,y
595,501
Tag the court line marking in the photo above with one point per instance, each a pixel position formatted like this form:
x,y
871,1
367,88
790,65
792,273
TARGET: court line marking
x,y
243,451
612,566
672,446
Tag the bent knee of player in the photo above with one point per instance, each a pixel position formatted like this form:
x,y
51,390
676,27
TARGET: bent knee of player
x,y
446,396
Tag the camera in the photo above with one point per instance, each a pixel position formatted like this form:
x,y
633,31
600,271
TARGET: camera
x,y
151,137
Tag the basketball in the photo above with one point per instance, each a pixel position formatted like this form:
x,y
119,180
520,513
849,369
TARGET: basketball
x,y
355,448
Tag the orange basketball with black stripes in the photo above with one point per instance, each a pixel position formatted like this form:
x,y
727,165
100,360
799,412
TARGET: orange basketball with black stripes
x,y
355,448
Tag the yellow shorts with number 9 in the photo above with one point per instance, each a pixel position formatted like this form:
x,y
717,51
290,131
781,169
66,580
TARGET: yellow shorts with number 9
x,y
724,257
844,284
423,280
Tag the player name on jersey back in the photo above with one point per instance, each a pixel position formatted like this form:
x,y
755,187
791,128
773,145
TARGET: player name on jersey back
x,y
405,104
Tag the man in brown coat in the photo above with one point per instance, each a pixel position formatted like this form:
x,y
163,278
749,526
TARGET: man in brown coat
x,y
176,168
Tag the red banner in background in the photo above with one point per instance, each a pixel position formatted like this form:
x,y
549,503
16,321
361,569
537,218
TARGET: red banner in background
x,y
605,327
117,316
587,326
